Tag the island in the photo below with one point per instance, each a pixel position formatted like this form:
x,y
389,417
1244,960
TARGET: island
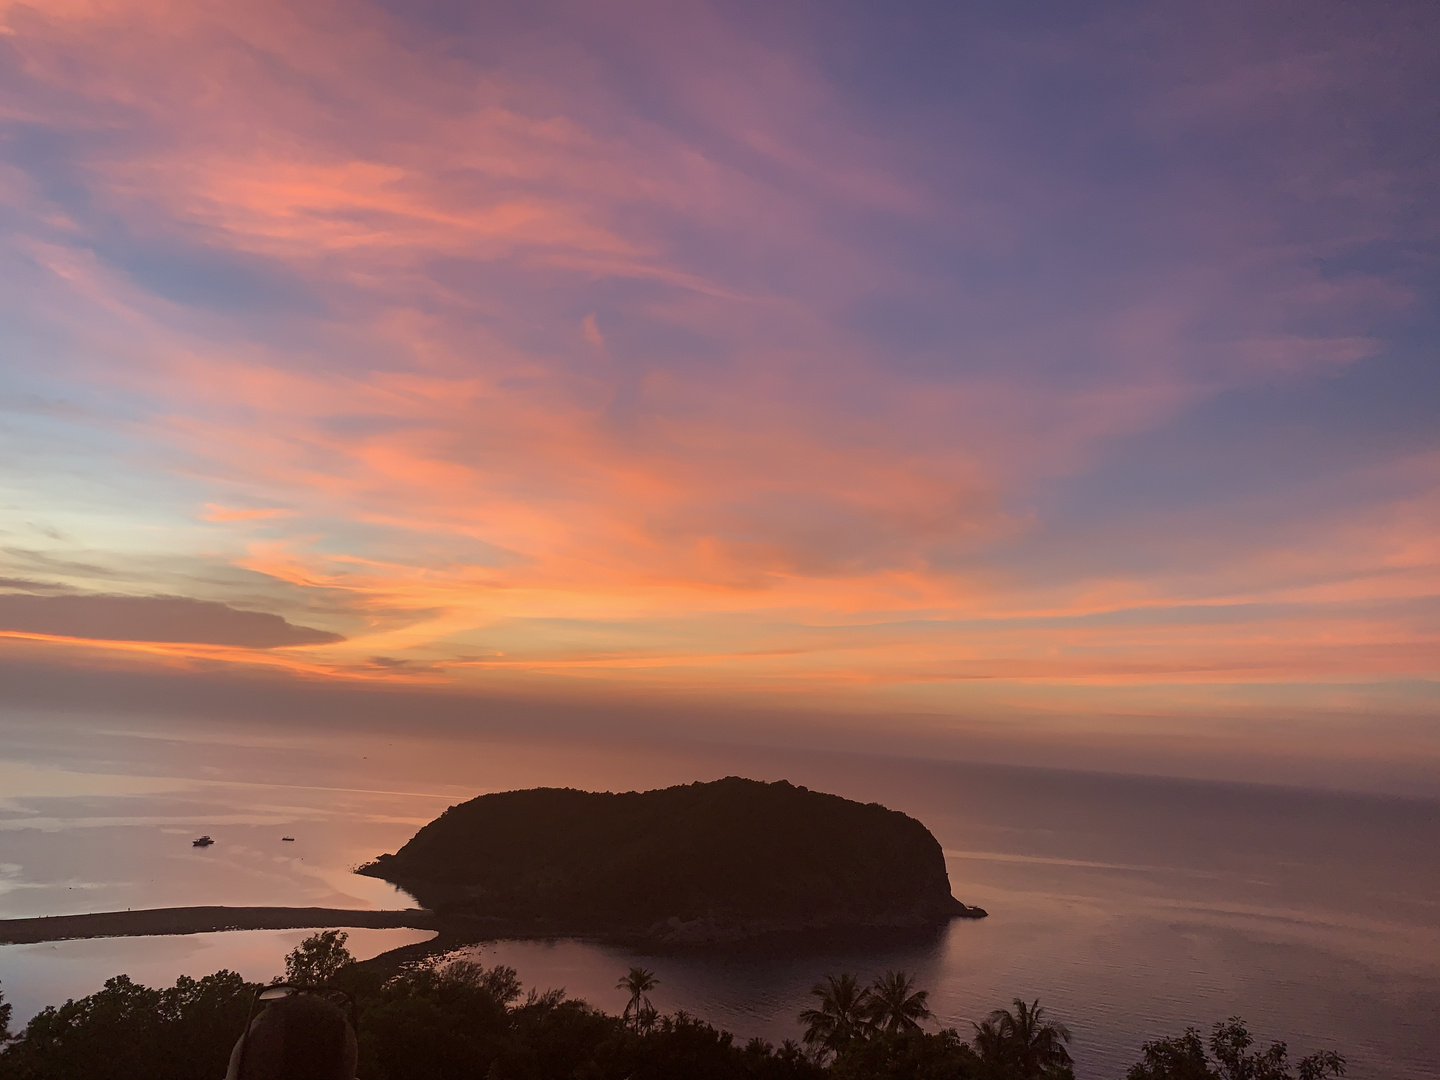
x,y
703,863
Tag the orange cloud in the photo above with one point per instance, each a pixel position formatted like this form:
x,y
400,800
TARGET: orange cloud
x,y
551,391
187,655
215,512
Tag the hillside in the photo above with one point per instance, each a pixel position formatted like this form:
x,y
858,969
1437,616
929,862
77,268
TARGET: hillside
x,y
696,863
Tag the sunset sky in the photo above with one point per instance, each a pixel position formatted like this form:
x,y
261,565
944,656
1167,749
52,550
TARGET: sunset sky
x,y
1055,377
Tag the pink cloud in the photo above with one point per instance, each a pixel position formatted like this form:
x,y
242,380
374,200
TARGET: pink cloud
x,y
537,348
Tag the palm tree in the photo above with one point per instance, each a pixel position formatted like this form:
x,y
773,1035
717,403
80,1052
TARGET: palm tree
x,y
639,983
1031,1045
895,1004
990,1046
842,1015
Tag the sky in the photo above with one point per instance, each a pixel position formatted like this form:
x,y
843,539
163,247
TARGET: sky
x,y
1055,381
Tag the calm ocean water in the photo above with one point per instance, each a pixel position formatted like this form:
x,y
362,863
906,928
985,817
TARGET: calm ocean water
x,y
1130,906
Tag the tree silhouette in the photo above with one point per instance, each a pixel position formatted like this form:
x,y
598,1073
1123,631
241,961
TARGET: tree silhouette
x,y
1178,1058
895,1004
1183,1057
990,1046
461,1020
128,1030
318,958
843,1015
5,1008
500,982
638,1010
1024,1043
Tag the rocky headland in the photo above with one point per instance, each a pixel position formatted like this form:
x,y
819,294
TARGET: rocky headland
x,y
704,863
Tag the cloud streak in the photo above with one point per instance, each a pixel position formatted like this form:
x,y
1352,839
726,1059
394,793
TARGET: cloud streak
x,y
172,619
691,350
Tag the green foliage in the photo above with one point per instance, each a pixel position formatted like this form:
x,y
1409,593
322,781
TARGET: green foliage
x,y
1184,1057
319,958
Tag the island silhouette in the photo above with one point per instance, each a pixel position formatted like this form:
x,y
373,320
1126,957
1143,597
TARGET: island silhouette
x,y
702,863
719,863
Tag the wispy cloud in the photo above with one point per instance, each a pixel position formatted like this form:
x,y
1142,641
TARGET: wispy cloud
x,y
215,512
675,348
169,619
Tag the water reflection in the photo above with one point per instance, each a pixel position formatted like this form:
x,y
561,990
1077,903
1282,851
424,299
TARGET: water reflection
x,y
754,991
1131,906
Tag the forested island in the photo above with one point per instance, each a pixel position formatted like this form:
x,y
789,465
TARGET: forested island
x,y
454,1020
721,861
703,863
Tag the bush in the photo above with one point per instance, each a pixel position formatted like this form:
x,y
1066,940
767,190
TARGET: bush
x,y
127,1030
463,1022
1183,1057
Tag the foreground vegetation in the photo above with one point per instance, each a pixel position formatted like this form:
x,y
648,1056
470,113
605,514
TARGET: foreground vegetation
x,y
460,1021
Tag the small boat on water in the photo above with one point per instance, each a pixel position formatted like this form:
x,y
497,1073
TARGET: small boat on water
x,y
288,839
203,841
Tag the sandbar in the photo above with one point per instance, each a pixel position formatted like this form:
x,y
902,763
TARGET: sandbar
x,y
202,920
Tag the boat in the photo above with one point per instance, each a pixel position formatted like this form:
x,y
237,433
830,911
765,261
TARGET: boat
x,y
288,839
203,841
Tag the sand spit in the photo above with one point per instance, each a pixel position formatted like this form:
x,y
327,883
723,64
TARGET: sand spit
x,y
201,920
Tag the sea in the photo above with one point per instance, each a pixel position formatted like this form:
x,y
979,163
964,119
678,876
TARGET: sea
x,y
1130,907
